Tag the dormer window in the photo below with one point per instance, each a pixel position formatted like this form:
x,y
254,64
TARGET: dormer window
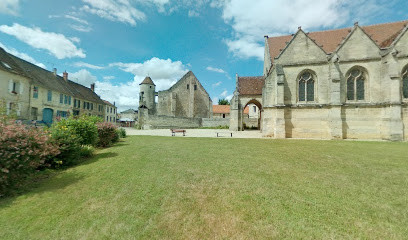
x,y
6,65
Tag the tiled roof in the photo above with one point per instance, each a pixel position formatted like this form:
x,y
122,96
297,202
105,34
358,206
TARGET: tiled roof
x,y
221,108
251,85
383,34
45,78
108,103
147,80
129,111
8,64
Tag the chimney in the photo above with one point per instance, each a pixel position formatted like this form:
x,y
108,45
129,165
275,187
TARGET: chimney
x,y
65,75
93,87
54,71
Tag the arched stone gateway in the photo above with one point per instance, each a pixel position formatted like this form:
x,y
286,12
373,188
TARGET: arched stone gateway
x,y
248,91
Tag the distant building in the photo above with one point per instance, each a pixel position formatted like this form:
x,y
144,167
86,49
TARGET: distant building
x,y
33,93
111,112
128,118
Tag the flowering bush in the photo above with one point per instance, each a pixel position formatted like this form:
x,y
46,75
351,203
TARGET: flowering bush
x,y
84,127
107,134
22,150
68,142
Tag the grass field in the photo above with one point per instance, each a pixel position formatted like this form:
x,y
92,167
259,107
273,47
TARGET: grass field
x,y
203,188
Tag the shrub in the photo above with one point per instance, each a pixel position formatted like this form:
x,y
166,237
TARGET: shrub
x,y
22,150
87,151
107,134
84,127
69,144
122,132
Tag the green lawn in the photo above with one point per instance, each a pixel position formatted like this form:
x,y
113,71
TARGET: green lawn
x,y
201,188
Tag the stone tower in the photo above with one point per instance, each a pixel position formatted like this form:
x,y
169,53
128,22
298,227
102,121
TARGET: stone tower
x,y
147,95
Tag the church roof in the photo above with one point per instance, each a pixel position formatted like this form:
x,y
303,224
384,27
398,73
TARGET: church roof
x,y
147,80
250,85
382,34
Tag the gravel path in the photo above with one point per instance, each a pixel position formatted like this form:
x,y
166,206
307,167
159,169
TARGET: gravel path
x,y
225,133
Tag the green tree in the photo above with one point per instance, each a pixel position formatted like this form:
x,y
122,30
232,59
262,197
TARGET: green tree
x,y
223,101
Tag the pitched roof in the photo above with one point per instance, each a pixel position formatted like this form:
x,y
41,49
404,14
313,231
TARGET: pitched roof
x,y
47,79
129,111
108,103
8,64
382,34
250,85
147,80
221,108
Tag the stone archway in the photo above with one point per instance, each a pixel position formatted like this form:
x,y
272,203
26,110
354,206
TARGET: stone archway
x,y
247,122
238,104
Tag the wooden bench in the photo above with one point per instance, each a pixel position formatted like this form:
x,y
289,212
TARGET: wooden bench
x,y
174,131
220,133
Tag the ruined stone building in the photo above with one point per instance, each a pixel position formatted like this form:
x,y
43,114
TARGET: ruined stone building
x,y
335,84
182,105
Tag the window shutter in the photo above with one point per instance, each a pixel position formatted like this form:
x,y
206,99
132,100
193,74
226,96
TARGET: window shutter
x,y
18,110
21,88
10,86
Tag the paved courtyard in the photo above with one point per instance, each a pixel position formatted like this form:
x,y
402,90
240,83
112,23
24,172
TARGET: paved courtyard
x,y
225,133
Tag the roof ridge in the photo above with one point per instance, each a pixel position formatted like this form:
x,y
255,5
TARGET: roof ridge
x,y
344,28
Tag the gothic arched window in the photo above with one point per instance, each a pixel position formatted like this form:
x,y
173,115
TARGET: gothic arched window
x,y
355,84
306,87
405,83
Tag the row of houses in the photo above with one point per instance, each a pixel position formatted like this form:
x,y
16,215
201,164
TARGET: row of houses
x,y
33,93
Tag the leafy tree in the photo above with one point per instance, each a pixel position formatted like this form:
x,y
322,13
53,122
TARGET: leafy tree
x,y
223,101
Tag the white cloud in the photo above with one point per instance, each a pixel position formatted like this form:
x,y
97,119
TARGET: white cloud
x,y
80,25
225,95
83,77
218,70
192,13
57,44
21,55
118,11
9,6
251,20
216,84
108,78
87,65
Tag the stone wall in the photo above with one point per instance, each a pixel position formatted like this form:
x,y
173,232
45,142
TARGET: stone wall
x,y
186,98
164,122
215,122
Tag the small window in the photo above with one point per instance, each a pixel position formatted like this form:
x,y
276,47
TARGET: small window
x,y
49,96
188,86
84,105
16,87
61,98
195,87
355,84
35,92
69,100
65,99
405,83
75,103
255,109
6,65
223,115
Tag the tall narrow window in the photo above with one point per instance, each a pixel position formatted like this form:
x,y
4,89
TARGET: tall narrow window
x,y
49,96
306,87
355,85
405,83
35,92
61,98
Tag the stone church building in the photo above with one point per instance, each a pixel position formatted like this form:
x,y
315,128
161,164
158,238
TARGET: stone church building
x,y
349,83
181,106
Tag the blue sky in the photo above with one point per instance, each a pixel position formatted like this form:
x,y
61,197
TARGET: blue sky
x,y
116,43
